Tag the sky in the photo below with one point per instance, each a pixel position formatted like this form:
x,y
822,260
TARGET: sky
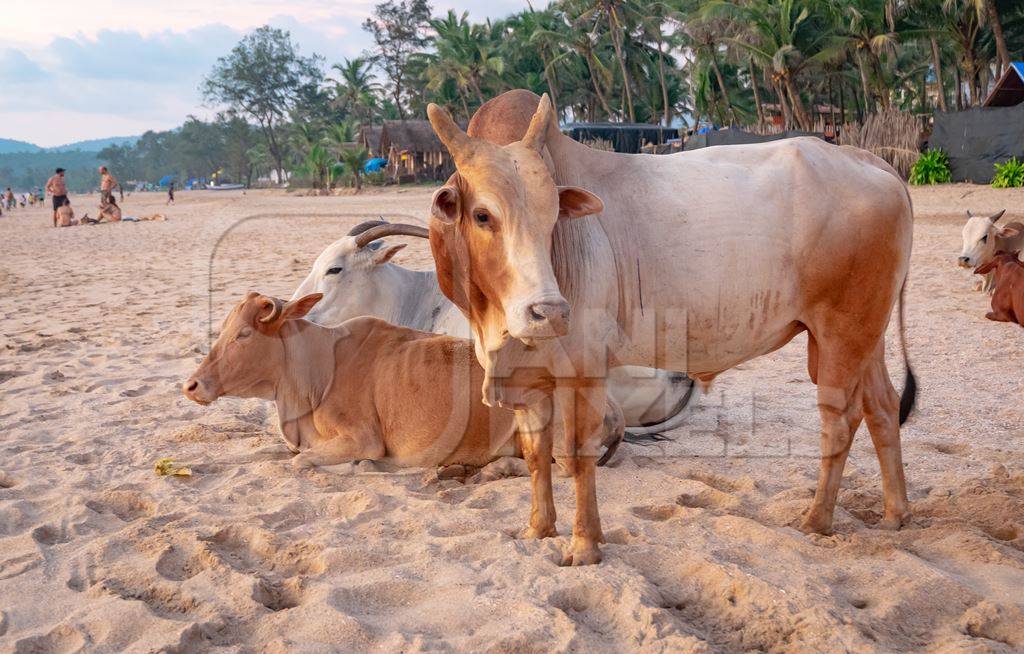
x,y
72,70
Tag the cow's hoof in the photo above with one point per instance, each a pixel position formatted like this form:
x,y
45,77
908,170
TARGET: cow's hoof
x,y
537,533
893,523
303,462
816,524
582,554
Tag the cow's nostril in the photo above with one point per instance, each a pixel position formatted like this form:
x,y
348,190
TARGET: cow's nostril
x,y
192,385
536,315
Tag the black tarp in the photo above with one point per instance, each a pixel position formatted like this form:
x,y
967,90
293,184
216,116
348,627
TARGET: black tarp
x,y
624,137
977,139
739,137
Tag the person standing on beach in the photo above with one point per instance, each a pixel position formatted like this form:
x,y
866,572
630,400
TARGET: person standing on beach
x,y
58,188
8,197
170,193
107,184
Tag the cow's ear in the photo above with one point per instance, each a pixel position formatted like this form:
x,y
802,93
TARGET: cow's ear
x,y
447,203
299,308
574,202
384,255
1009,232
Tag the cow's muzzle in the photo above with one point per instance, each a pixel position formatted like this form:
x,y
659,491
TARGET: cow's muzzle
x,y
544,319
198,390
964,262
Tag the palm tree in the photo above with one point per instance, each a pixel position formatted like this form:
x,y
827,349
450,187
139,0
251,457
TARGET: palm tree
x,y
355,159
356,91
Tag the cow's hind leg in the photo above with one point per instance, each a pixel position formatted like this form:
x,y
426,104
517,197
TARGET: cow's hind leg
x,y
840,406
881,413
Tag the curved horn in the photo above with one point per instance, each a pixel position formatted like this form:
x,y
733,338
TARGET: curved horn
x,y
538,129
390,229
997,216
365,225
451,135
276,307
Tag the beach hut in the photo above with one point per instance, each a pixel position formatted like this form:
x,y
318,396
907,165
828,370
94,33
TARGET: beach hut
x,y
414,152
369,138
1009,90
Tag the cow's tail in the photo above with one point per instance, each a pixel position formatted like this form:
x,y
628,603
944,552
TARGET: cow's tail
x,y
909,396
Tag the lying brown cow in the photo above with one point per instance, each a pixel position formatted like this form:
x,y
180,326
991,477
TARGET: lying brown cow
x,y
366,389
1008,296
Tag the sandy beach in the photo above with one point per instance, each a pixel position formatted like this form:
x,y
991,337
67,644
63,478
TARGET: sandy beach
x,y
101,324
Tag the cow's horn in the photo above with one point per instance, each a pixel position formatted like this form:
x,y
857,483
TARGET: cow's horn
x,y
276,307
365,225
390,229
997,216
451,135
538,129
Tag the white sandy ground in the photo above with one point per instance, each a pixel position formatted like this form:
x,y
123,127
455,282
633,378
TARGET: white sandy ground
x,y
97,554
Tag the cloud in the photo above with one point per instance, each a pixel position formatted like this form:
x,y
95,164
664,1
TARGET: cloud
x,y
15,67
124,55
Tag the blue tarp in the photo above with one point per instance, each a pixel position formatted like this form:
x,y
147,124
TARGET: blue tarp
x,y
375,164
166,179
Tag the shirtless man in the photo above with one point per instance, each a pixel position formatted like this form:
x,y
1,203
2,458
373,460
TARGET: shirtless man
x,y
58,188
107,184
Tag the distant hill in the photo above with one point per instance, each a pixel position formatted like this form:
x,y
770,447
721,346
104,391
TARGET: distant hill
x,y
11,146
7,146
94,145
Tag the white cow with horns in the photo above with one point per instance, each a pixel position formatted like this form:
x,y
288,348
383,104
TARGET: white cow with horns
x,y
357,277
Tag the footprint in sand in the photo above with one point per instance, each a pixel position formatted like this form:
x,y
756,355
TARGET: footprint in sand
x,y
19,565
50,535
62,638
126,505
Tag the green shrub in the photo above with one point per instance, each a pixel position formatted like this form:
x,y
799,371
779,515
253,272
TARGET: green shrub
x,y
931,168
1009,174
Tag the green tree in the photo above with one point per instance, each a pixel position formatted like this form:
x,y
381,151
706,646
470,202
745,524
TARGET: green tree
x,y
263,78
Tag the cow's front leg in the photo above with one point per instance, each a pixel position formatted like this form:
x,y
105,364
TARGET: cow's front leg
x,y
583,412
534,425
341,449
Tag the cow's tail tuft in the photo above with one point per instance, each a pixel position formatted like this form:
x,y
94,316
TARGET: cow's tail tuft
x,y
909,396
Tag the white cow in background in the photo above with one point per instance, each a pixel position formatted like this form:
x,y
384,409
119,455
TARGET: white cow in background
x,y
982,238
357,278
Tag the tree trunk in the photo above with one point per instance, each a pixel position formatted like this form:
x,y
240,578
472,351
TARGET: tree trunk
x,y
883,90
787,114
799,115
757,94
865,88
937,63
597,90
358,181
550,82
842,100
959,89
664,88
622,64
997,31
721,83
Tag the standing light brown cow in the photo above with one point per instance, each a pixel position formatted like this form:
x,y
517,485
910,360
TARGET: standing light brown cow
x,y
366,389
653,278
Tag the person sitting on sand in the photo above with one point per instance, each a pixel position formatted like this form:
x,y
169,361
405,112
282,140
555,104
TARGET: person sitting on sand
x,y
110,212
66,215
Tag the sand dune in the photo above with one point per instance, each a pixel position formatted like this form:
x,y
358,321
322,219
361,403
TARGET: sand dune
x,y
98,554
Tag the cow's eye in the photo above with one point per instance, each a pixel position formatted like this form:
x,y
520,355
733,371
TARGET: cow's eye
x,y
334,271
244,332
482,218
984,239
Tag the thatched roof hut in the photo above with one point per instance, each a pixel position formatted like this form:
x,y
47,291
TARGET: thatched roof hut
x,y
413,151
369,137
